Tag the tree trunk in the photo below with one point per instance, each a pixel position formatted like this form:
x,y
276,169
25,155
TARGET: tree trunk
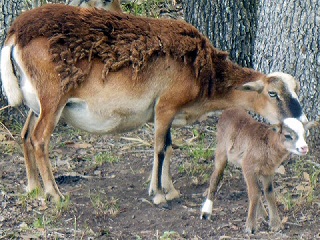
x,y
288,40
230,25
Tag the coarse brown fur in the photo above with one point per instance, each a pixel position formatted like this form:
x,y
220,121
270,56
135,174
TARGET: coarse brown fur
x,y
120,40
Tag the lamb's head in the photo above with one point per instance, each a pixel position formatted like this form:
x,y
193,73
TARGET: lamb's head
x,y
278,97
293,135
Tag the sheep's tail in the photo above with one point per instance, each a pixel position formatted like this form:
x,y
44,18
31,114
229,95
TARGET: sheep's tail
x,y
10,82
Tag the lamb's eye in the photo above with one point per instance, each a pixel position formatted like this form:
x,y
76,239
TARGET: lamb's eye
x,y
273,94
288,137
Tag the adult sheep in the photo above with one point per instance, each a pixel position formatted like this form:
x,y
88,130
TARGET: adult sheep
x,y
108,72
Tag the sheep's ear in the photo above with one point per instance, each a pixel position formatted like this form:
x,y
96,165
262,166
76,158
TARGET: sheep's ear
x,y
276,128
311,124
256,86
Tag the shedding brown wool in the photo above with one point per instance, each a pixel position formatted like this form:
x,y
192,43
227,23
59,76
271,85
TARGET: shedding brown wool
x,y
107,72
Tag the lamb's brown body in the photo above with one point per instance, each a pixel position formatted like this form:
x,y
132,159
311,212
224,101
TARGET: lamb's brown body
x,y
109,72
258,150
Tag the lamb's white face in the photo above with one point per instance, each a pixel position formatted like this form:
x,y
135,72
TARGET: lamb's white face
x,y
294,134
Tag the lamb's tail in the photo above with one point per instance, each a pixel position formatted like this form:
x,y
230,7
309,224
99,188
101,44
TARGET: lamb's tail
x,y
10,82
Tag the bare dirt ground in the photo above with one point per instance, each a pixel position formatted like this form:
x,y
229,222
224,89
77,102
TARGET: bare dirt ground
x,y
106,180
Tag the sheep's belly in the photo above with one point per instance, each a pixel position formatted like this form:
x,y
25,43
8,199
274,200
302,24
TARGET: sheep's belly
x,y
102,119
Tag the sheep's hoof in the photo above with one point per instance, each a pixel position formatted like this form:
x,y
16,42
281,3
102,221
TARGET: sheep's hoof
x,y
159,198
173,194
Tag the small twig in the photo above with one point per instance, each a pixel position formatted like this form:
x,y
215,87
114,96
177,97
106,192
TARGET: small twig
x,y
314,163
4,109
7,131
294,224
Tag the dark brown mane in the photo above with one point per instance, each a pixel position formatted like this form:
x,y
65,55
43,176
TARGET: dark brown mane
x,y
118,40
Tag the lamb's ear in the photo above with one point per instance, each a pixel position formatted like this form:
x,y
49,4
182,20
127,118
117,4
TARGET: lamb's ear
x,y
276,128
256,86
311,124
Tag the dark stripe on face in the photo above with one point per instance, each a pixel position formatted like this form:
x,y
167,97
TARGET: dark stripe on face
x,y
295,108
161,156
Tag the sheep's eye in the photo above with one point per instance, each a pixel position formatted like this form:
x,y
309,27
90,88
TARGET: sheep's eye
x,y
273,94
288,137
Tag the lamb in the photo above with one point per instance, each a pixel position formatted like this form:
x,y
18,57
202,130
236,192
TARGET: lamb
x,y
108,72
258,149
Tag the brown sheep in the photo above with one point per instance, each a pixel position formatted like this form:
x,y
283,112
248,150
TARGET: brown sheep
x,y
108,72
258,149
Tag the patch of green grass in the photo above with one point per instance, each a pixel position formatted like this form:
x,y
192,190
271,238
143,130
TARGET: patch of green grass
x,y
149,8
200,154
102,158
64,205
41,222
105,206
170,235
30,196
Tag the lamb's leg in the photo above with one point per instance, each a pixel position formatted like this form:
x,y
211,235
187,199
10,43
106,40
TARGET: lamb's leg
x,y
274,219
29,157
220,165
254,195
261,211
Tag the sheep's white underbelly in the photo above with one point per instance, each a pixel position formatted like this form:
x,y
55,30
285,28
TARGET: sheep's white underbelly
x,y
106,118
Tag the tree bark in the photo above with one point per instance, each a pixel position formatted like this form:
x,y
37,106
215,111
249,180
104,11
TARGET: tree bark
x,y
230,25
287,40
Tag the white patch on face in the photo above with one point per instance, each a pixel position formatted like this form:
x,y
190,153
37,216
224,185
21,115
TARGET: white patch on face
x,y
300,144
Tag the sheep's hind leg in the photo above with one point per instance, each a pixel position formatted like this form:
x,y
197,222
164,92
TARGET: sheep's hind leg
x,y
29,157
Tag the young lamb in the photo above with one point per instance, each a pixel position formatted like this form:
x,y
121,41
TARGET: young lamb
x,y
258,149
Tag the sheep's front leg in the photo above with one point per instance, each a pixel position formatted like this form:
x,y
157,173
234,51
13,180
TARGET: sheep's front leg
x,y
274,219
29,157
161,182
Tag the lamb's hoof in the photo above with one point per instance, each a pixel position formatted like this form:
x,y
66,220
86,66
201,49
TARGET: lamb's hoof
x,y
275,227
205,216
250,230
206,210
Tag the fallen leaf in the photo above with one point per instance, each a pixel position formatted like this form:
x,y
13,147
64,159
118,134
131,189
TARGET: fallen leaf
x,y
306,176
281,170
80,145
284,220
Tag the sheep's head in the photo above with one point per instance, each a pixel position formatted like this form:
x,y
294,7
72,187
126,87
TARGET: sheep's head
x,y
277,97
